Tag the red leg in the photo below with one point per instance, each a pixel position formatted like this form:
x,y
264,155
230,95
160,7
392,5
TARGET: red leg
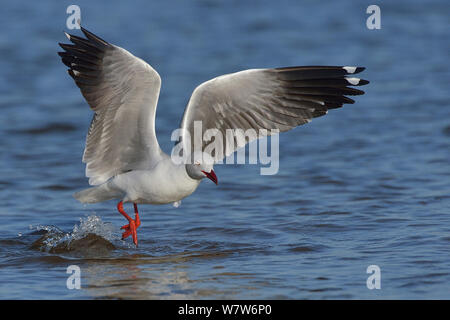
x,y
137,223
130,228
136,215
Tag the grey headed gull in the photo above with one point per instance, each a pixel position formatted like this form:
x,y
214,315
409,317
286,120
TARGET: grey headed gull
x,y
122,155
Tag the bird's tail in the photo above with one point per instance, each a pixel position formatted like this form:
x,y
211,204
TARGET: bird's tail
x,y
96,194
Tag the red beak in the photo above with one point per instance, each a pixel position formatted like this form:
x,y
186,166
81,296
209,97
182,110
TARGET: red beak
x,y
211,175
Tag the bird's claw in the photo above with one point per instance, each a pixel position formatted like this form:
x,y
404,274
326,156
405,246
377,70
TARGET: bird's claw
x,y
130,229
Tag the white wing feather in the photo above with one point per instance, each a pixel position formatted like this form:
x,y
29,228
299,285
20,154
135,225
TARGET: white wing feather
x,y
123,92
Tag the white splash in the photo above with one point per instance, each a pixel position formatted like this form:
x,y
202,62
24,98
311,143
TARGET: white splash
x,y
91,224
94,224
177,204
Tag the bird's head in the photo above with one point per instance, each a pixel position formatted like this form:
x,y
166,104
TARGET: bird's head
x,y
202,167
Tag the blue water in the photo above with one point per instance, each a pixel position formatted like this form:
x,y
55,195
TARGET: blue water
x,y
368,184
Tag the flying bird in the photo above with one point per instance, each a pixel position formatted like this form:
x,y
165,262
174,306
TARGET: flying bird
x,y
123,158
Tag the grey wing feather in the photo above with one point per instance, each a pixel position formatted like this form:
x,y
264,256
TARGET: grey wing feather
x,y
123,91
268,99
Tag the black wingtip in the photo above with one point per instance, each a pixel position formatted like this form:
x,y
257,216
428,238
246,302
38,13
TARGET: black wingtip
x,y
363,82
93,37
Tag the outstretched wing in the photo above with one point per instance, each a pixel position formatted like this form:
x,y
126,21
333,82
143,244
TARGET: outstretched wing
x,y
123,91
281,98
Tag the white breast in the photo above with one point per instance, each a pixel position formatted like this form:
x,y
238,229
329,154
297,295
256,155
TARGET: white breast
x,y
165,183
